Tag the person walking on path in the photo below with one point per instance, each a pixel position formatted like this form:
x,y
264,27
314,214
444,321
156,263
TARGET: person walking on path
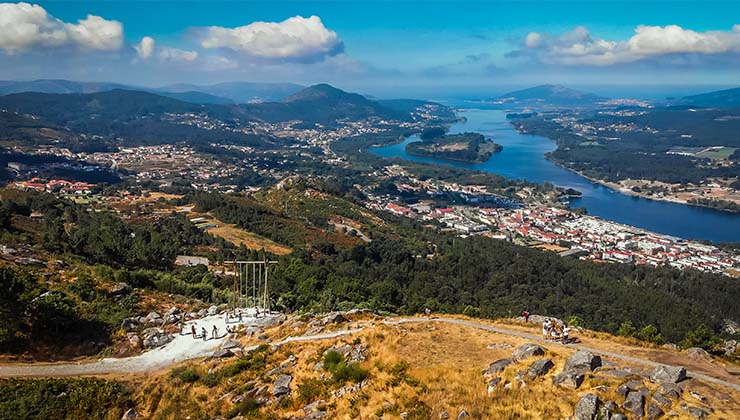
x,y
203,331
214,333
192,330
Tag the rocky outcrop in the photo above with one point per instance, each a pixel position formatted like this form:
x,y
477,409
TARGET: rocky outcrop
x,y
570,379
668,374
582,361
587,407
156,337
539,368
131,414
635,404
281,386
654,412
698,353
498,366
130,324
462,415
526,351
696,412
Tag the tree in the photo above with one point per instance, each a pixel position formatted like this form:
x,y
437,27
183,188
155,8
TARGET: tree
x,y
627,329
54,312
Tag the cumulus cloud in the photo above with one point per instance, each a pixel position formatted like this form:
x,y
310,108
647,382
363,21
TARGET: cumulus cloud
x,y
578,47
174,54
145,47
24,26
293,38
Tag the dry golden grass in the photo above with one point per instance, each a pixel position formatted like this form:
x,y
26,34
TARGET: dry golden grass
x,y
420,369
238,236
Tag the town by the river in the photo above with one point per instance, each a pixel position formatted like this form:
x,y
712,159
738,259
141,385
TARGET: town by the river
x,y
523,157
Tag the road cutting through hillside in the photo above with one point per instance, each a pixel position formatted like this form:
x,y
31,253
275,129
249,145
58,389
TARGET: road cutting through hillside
x,y
185,348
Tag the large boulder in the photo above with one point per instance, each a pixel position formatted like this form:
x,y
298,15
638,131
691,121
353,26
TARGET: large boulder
x,y
587,407
119,289
539,368
668,374
635,404
582,361
334,318
671,390
654,412
696,412
571,379
698,353
526,351
131,414
230,344
213,310
156,337
498,366
281,386
130,324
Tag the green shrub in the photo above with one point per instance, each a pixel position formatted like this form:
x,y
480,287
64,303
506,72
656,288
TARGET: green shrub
x,y
311,389
245,407
188,376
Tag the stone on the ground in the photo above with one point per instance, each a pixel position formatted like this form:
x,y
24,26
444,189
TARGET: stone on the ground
x,y
539,368
526,351
654,412
635,404
696,412
730,347
444,415
492,384
131,414
333,318
618,417
498,366
587,407
462,415
120,289
133,340
697,353
155,337
582,361
230,344
569,379
130,324
668,374
281,386
661,400
202,313
212,310
671,390
223,353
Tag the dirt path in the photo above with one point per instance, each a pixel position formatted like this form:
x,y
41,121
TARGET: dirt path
x,y
184,348
692,371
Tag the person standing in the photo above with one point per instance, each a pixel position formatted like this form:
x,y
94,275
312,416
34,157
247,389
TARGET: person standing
x,y
214,333
203,331
525,315
192,330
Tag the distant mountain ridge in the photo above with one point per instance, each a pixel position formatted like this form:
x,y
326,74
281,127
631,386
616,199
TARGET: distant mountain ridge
x,y
727,98
550,95
221,93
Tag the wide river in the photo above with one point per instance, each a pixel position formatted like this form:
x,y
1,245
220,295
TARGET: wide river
x,y
523,157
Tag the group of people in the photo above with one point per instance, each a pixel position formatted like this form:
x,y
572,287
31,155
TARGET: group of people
x,y
204,333
552,330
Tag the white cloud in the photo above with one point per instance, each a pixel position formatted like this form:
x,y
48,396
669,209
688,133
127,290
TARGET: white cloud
x,y
293,38
24,26
145,47
578,47
174,54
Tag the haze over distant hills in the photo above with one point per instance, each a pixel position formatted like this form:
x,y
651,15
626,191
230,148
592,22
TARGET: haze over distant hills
x,y
727,98
222,93
550,95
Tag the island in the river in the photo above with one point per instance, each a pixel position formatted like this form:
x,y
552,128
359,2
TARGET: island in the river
x,y
464,147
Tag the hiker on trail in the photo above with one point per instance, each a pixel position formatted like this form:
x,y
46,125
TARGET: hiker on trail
x,y
525,315
203,332
566,334
546,329
192,330
240,316
214,333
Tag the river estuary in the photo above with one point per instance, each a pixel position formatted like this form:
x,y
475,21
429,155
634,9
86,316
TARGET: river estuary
x,y
523,157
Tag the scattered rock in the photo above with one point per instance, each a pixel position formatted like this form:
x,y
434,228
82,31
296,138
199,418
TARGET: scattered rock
x,y
653,411
492,384
587,407
313,406
570,379
526,351
213,310
119,289
444,415
582,361
730,327
635,404
538,368
133,340
333,318
670,346
281,386
730,347
671,390
462,415
498,366
668,374
314,331
698,353
156,337
618,417
223,353
495,346
697,396
661,400
130,324
131,414
230,344
202,313
696,412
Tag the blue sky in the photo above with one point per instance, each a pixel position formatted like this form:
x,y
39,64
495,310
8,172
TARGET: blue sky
x,y
375,45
